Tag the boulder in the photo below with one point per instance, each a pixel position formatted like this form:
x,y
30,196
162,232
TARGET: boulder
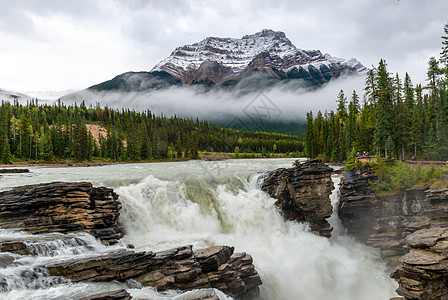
x,y
63,207
303,193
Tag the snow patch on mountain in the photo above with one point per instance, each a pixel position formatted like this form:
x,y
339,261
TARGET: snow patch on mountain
x,y
237,54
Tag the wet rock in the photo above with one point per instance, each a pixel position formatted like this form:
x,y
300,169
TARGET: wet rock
x,y
303,193
114,295
62,207
13,171
6,260
17,247
178,269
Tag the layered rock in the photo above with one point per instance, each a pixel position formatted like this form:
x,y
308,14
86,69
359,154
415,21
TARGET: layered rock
x,y
382,220
410,228
423,273
62,207
180,268
303,193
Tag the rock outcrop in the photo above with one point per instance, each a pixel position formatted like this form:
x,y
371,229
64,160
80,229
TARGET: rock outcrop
x,y
63,207
180,269
383,221
303,193
410,228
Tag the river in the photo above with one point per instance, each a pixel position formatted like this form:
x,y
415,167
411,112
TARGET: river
x,y
202,204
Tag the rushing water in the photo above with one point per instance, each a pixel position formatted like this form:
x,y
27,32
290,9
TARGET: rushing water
x,y
201,203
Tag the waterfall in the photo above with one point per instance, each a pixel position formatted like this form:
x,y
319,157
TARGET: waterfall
x,y
293,262
166,205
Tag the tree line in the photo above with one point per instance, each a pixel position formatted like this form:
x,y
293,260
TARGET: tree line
x,y
54,132
396,118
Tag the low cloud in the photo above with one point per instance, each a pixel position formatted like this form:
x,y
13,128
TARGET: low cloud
x,y
281,102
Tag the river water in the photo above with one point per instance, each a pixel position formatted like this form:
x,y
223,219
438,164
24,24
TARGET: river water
x,y
200,203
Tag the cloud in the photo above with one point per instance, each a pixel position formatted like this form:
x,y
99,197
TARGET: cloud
x,y
51,44
290,102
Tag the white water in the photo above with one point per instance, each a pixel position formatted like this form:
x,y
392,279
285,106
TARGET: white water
x,y
209,203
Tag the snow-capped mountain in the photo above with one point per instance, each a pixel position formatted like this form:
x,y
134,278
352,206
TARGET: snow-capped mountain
x,y
222,59
254,62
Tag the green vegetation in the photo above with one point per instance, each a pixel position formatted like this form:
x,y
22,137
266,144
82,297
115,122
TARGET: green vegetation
x,y
399,176
396,118
58,132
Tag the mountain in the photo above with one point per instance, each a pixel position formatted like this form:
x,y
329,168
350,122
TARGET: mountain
x,y
138,82
268,56
219,60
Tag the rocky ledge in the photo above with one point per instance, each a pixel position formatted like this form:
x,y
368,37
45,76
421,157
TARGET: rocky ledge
x,y
63,207
176,269
303,193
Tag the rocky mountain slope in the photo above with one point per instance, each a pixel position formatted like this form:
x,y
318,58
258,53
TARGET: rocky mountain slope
x,y
219,60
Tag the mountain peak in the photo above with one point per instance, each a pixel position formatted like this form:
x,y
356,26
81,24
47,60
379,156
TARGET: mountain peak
x,y
266,33
267,51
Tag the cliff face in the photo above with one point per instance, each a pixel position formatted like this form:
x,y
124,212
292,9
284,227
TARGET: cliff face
x,y
303,193
410,228
63,207
381,221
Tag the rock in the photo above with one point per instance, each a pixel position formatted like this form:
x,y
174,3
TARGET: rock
x,y
303,193
114,295
410,228
423,273
382,221
15,171
6,260
178,269
62,207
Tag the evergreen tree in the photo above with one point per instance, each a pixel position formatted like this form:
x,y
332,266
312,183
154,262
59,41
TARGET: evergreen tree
x,y
309,144
342,105
444,53
384,109
6,152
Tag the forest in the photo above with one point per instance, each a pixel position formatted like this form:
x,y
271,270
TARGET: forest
x,y
36,132
395,119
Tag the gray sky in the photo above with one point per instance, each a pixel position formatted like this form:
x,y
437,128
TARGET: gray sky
x,y
58,45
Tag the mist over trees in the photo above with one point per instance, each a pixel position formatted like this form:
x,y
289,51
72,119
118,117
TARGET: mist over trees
x,y
396,118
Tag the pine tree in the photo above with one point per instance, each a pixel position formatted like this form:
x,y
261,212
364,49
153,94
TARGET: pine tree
x,y
384,109
444,53
6,152
309,144
342,105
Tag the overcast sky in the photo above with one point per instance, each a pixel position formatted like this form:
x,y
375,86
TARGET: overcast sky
x,y
50,45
